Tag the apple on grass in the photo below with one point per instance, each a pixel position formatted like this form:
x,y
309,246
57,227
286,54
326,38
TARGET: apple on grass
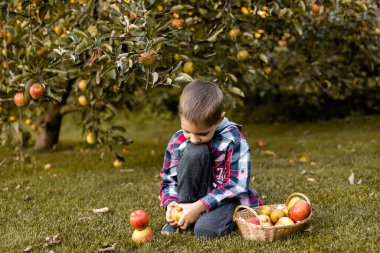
x,y
143,235
139,219
300,210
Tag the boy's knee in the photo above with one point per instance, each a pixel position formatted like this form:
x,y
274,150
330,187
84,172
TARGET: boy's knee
x,y
205,230
195,151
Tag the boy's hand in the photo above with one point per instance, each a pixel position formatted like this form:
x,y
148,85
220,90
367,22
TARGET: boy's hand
x,y
191,213
169,207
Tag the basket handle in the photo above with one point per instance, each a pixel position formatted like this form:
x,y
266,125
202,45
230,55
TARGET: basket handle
x,y
297,194
238,207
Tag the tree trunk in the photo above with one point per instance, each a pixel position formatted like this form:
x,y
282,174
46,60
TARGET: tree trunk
x,y
51,125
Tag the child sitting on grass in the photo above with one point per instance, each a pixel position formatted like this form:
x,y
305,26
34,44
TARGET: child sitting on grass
x,y
207,165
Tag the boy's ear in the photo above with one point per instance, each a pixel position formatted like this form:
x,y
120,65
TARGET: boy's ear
x,y
221,117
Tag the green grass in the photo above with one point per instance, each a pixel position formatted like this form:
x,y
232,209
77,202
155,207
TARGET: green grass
x,y
37,202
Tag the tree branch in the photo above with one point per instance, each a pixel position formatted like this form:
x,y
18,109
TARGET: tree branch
x,y
66,109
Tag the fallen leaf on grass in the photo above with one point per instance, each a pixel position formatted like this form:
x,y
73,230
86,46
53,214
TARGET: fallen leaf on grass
x,y
261,144
351,179
85,218
303,172
51,240
303,159
101,210
360,181
270,153
309,229
28,249
47,166
310,179
126,170
108,249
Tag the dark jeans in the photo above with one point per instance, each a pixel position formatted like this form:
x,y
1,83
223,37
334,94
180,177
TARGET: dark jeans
x,y
194,182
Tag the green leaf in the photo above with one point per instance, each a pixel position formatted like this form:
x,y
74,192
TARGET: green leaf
x,y
264,58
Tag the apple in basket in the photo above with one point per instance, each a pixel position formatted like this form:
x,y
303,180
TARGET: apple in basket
x,y
284,221
276,214
300,210
267,224
253,220
292,201
264,218
264,210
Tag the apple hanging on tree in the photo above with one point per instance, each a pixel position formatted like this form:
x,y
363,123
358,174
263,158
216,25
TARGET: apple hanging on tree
x,y
36,90
19,99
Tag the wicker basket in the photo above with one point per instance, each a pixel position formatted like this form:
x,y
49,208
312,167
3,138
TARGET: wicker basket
x,y
258,232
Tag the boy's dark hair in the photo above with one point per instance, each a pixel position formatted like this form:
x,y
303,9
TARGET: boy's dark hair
x,y
201,102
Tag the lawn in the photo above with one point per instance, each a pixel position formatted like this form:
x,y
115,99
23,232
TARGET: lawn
x,y
313,158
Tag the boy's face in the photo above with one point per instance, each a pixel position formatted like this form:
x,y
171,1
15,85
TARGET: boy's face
x,y
198,134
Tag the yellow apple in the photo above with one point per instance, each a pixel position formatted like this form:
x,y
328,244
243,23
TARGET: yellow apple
x,y
176,213
284,221
117,163
276,214
82,100
292,201
264,218
91,139
265,210
82,84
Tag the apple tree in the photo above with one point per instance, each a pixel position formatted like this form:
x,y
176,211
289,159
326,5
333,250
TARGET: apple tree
x,y
79,56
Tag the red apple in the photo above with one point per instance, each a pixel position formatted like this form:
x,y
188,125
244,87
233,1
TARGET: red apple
x,y
36,90
144,235
139,219
19,99
177,23
253,220
300,210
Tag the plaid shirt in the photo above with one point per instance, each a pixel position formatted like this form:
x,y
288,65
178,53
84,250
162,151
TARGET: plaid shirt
x,y
231,168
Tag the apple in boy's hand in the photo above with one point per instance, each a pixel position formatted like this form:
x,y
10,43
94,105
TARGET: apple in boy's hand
x,y
176,213
300,210
143,235
253,220
139,219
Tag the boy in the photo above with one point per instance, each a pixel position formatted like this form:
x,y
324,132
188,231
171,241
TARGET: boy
x,y
207,165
